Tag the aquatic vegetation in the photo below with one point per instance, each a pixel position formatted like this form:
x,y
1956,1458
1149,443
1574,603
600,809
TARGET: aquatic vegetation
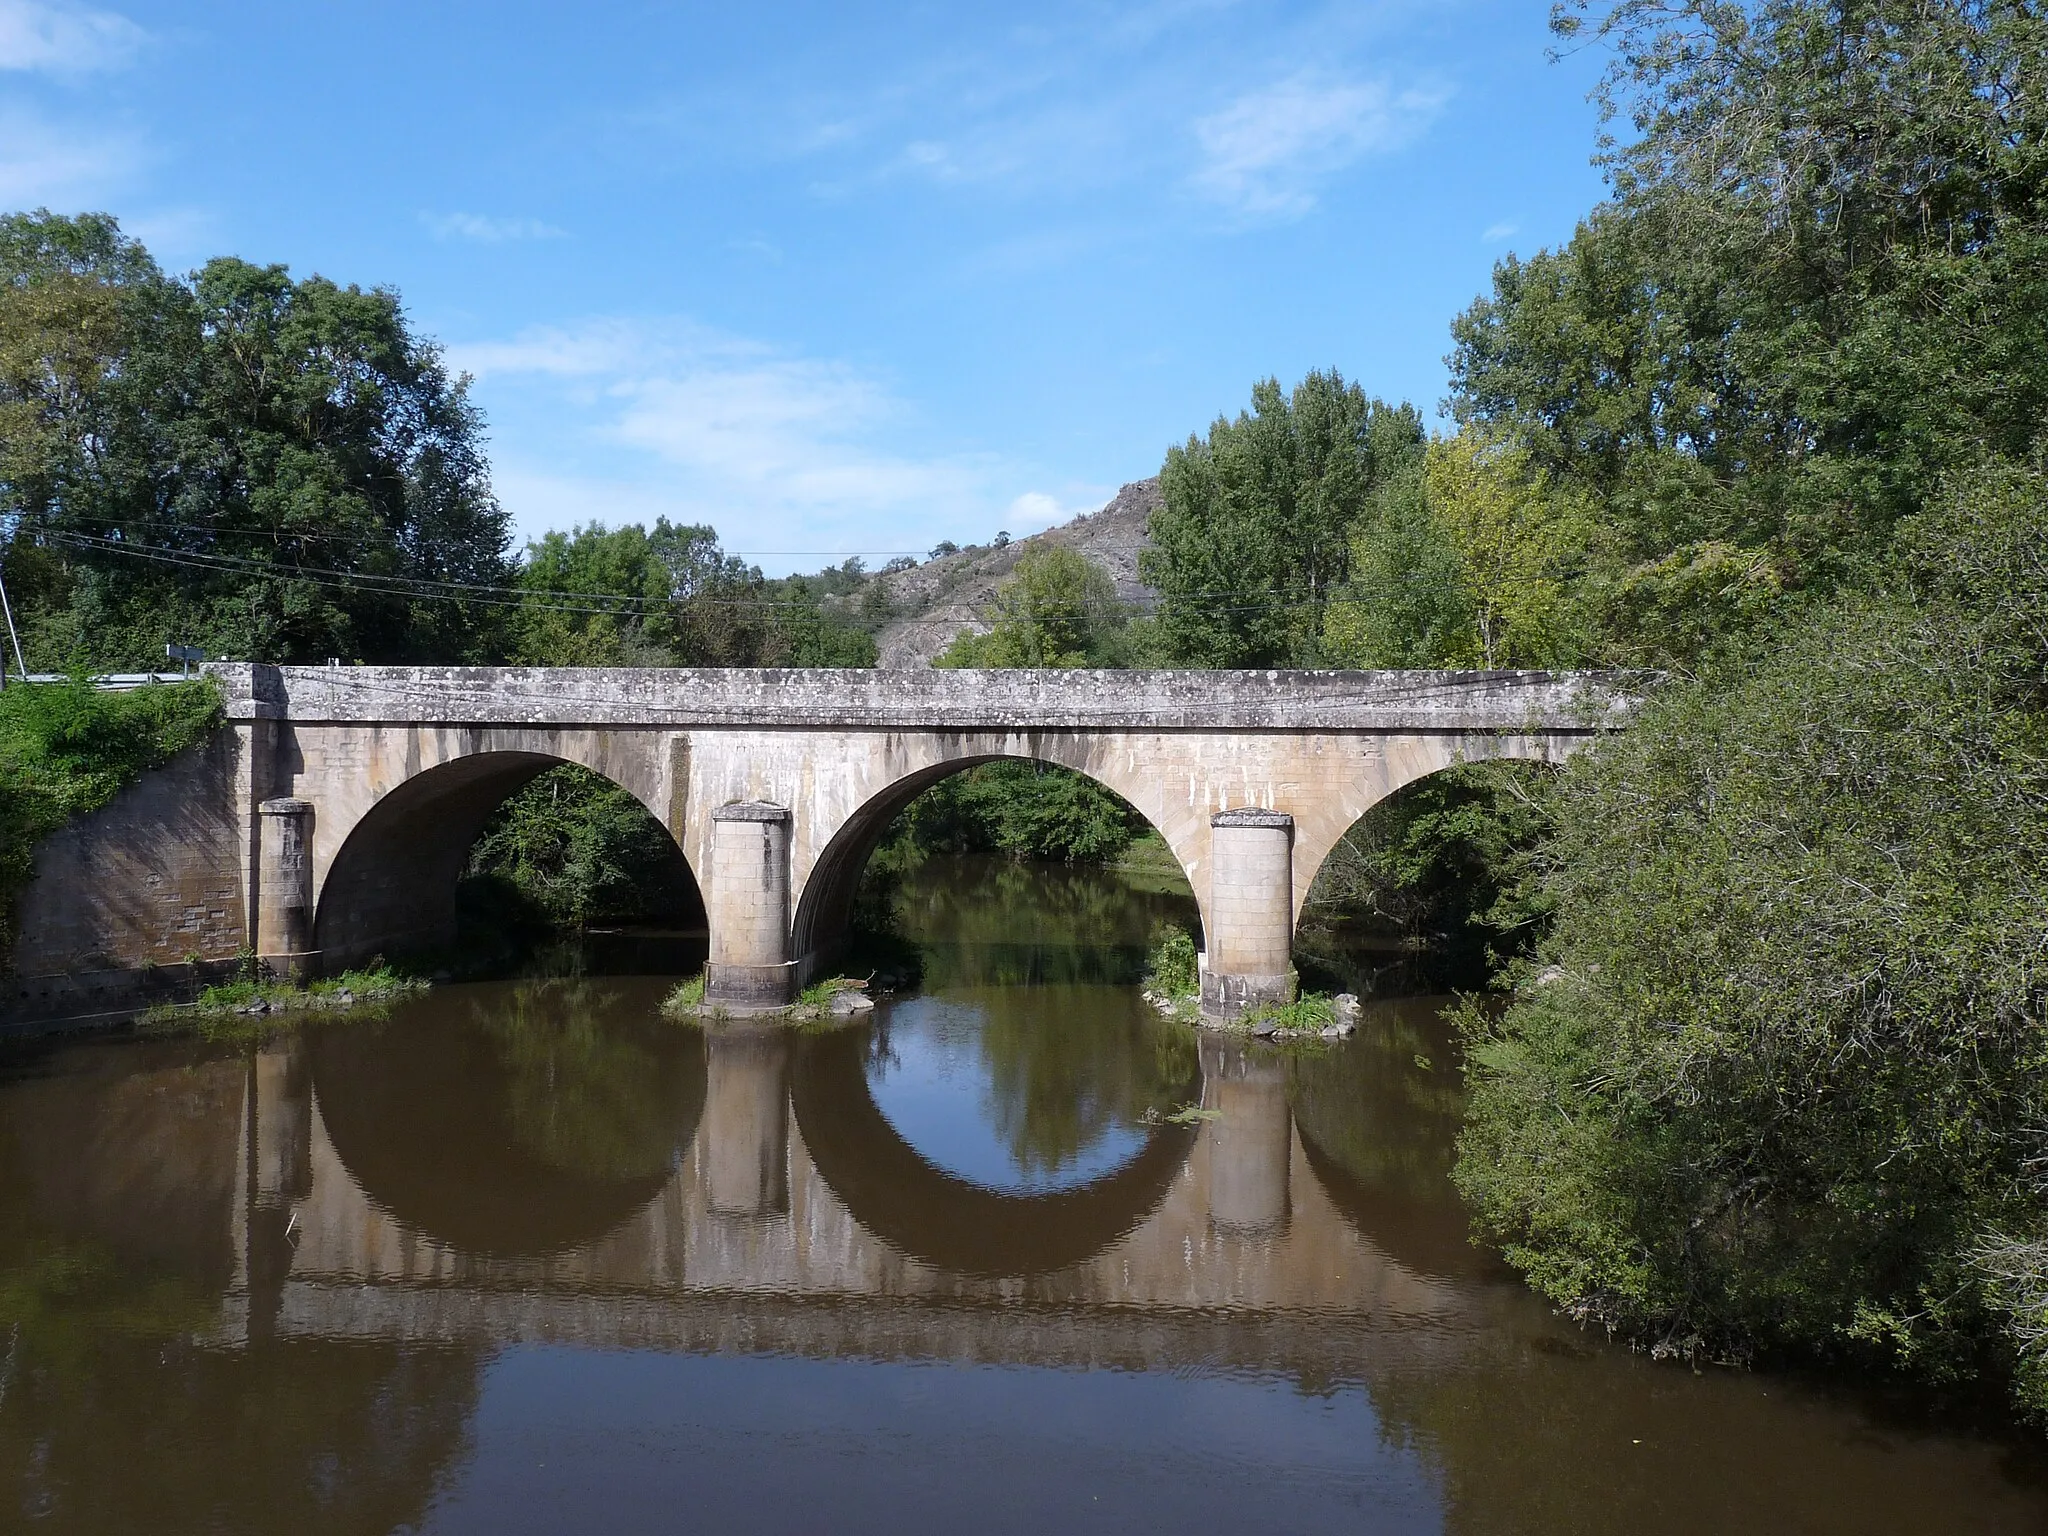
x,y
253,1008
686,1000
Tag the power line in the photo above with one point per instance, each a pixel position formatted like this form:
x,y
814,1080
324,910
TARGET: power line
x,y
614,605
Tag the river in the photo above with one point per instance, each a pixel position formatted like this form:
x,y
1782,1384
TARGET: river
x,y
1010,1254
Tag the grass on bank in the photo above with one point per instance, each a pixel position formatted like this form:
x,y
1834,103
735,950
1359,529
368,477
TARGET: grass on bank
x,y
686,1001
254,1007
67,749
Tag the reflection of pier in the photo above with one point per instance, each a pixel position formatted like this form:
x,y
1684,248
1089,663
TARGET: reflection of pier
x,y
1236,1253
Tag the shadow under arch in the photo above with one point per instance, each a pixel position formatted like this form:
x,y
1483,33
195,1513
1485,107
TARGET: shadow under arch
x,y
515,1131
947,1221
1354,928
824,911
392,885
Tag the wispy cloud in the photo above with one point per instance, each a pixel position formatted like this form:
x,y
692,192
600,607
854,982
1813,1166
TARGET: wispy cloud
x,y
1265,153
1498,232
64,39
42,164
775,450
487,230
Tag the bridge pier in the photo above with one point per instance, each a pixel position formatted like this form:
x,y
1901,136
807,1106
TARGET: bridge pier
x,y
748,909
284,892
1249,924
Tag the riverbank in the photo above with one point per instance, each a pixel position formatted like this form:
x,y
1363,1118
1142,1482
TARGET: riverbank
x,y
255,1009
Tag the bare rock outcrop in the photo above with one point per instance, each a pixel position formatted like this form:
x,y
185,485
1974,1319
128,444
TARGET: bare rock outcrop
x,y
939,599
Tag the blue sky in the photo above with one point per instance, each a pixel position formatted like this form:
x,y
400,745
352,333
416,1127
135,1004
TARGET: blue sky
x,y
833,278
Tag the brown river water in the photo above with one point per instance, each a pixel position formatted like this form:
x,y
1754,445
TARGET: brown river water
x,y
1012,1254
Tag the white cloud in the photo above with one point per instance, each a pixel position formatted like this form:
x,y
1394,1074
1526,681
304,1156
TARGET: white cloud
x,y
1036,511
42,165
778,452
487,230
1264,153
64,39
1498,232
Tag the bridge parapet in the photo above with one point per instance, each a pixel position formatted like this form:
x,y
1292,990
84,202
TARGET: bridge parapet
x,y
865,698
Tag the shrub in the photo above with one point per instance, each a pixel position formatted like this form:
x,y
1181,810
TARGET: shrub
x,y
69,748
1779,1076
1171,967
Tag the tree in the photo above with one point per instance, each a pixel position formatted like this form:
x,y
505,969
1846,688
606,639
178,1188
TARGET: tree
x,y
1777,1078
1055,609
269,468
1518,538
1406,603
1252,536
1820,287
596,597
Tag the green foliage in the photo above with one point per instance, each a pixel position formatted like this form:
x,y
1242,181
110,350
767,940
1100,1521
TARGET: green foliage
x,y
686,999
1253,535
260,466
1055,609
1778,1076
1466,561
68,748
1310,1013
1406,603
252,1010
1819,287
628,596
1026,810
1436,867
1171,966
578,850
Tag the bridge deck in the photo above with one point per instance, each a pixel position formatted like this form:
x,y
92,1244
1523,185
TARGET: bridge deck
x,y
929,699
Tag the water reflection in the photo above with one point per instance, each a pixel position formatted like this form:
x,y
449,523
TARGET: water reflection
x,y
1028,1089
524,1119
384,1275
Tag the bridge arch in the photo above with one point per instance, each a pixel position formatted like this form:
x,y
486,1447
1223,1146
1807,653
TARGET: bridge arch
x,y
1320,824
389,883
824,907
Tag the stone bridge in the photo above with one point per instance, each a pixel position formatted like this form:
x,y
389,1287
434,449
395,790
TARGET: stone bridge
x,y
331,820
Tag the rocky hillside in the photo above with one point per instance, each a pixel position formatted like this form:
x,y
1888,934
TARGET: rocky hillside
x,y
935,601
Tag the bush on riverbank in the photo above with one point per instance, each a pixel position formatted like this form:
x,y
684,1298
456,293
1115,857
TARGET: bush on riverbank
x,y
1779,1077
68,748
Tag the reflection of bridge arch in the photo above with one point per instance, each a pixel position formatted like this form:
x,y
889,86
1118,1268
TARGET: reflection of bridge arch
x,y
391,884
948,1221
441,1131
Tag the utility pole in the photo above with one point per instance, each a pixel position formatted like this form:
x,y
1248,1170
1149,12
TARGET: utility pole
x,y
8,608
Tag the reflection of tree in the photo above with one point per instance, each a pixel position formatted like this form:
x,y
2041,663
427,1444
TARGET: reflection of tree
x,y
994,922
581,1093
1381,1119
1067,1064
517,1119
144,1433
